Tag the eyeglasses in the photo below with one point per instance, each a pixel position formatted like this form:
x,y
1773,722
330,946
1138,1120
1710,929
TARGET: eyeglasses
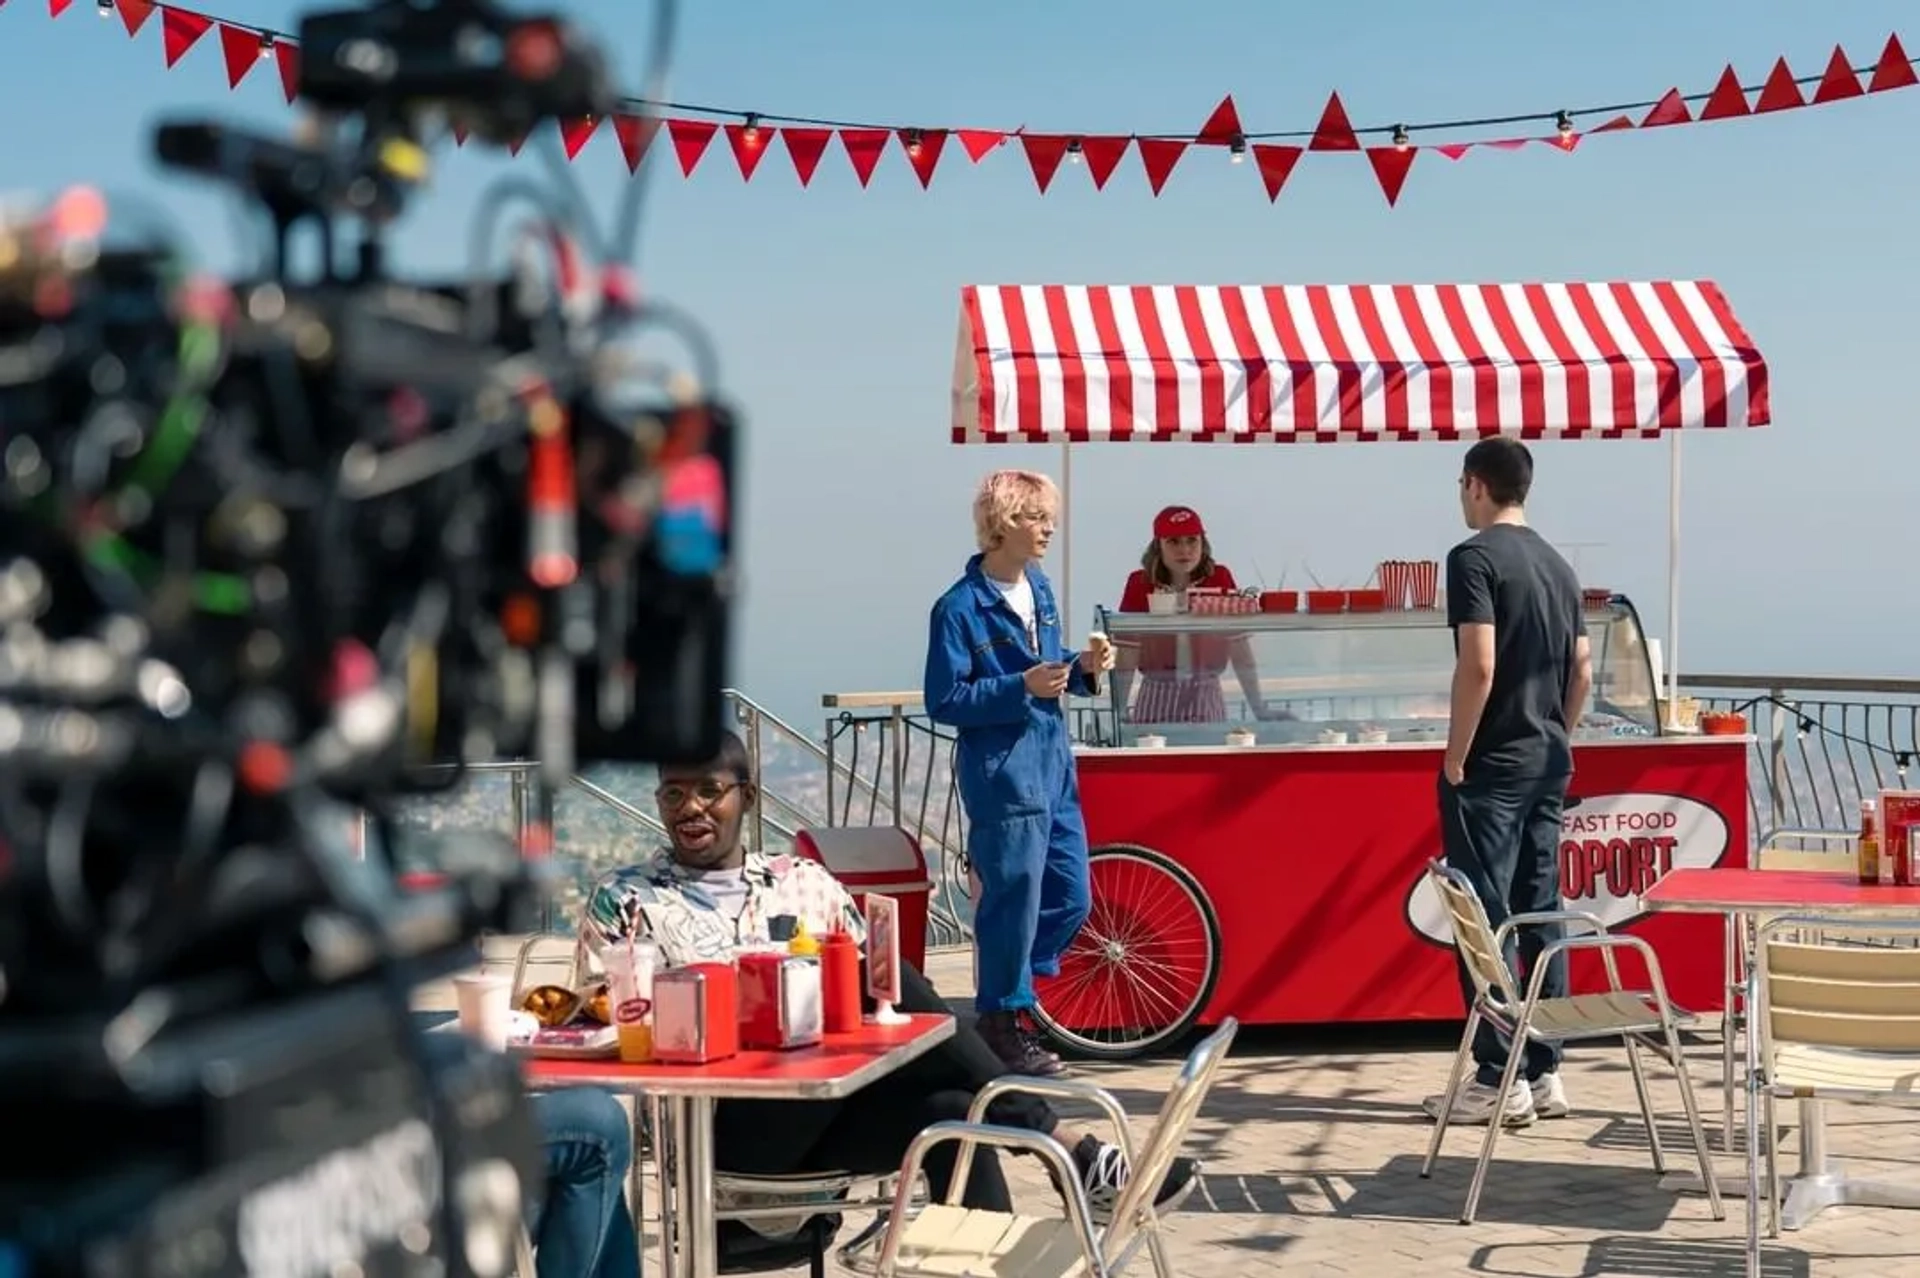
x,y
708,792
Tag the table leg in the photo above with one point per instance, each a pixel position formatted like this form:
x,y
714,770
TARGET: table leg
x,y
663,1162
699,1238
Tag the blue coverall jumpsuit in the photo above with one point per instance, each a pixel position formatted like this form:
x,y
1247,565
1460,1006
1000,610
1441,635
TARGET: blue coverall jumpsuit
x,y
1014,762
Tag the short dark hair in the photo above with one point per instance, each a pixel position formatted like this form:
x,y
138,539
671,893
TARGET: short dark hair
x,y
732,759
1504,465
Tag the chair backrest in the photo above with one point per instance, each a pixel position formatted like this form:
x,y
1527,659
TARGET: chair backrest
x,y
1169,1133
1473,935
1820,989
1807,850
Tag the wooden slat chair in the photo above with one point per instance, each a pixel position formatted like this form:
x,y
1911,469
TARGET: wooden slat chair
x,y
944,1240
1634,1017
1838,1014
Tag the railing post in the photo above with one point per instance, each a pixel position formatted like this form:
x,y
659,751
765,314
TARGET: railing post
x,y
1777,779
543,815
748,716
898,731
833,769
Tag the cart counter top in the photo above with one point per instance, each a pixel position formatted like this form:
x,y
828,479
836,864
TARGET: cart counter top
x,y
1436,744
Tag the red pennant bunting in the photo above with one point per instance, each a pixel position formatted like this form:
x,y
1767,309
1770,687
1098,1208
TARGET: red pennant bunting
x,y
923,151
635,133
1391,164
515,142
690,141
749,143
1567,142
287,58
57,7
1335,131
1779,93
134,14
180,30
1158,156
977,142
1728,100
1839,82
804,148
459,135
1044,153
241,48
1614,125
1276,166
1894,70
863,147
1454,150
1223,126
576,133
1103,156
1670,109
1506,144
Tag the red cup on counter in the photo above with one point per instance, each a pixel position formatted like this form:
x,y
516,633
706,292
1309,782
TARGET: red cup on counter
x,y
840,983
1324,601
1366,600
1279,601
1721,723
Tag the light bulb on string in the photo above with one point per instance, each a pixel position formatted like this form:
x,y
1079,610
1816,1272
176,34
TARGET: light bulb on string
x,y
751,133
1564,123
1237,150
266,45
1806,726
913,143
1073,151
105,8
1901,763
1400,139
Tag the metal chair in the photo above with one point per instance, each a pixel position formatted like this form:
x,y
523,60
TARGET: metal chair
x,y
947,1239
1838,1015
1632,1016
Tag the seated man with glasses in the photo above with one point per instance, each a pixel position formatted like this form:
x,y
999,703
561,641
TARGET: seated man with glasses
x,y
706,894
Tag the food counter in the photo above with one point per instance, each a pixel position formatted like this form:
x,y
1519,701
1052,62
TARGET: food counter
x,y
1280,878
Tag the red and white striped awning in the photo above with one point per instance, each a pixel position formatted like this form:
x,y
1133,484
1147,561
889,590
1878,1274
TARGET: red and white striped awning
x,y
1317,362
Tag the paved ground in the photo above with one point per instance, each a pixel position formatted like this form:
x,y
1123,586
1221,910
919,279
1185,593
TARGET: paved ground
x,y
1312,1155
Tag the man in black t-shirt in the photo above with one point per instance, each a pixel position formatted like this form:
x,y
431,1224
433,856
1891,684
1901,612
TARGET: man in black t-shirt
x,y
1522,671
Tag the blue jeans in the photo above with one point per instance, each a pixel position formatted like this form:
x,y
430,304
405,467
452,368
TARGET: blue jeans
x,y
1503,834
582,1226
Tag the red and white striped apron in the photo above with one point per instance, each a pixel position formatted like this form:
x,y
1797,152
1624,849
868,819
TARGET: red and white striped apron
x,y
1170,698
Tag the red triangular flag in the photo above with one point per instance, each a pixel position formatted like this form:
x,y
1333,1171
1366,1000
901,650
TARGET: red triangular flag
x,y
1276,166
1103,156
1158,156
804,148
1670,109
1454,150
634,132
1335,131
1044,153
1839,82
749,143
977,142
1563,141
1779,93
576,133
863,147
1390,167
1894,70
923,151
1614,125
1727,100
134,14
286,57
690,141
1223,126
241,49
57,7
180,30
1506,144
459,135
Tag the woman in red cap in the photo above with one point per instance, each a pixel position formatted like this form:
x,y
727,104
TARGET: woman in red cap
x,y
1180,674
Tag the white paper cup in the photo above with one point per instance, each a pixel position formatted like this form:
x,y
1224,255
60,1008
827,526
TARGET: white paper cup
x,y
1150,741
1163,603
485,1001
1240,738
1333,736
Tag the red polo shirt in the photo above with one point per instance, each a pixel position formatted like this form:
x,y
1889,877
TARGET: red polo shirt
x,y
1160,654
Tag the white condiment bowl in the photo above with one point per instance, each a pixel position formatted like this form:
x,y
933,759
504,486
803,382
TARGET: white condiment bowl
x,y
1333,737
1150,741
1242,738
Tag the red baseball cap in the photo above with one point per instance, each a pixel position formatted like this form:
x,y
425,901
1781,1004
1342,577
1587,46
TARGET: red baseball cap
x,y
1178,521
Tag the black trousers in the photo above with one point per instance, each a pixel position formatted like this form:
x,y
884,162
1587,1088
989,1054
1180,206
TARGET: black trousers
x,y
1503,835
868,1132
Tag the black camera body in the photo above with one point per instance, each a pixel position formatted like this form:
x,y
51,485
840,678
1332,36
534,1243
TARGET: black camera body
x,y
267,547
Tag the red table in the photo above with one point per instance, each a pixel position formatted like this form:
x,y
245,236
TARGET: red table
x,y
685,1095
1736,893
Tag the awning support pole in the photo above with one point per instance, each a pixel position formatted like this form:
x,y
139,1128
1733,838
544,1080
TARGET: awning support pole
x,y
1673,578
1068,622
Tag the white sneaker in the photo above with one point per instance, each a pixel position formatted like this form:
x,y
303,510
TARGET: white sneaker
x,y
1549,1096
1476,1104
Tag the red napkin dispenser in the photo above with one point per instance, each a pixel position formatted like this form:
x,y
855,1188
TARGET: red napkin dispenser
x,y
780,1006
696,1014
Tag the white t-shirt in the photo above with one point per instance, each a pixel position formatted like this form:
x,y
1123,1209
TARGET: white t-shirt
x,y
728,888
1019,596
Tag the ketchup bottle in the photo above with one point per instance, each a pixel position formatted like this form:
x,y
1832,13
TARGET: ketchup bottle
x,y
839,983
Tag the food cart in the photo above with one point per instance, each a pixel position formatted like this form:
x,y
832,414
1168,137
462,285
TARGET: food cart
x,y
1272,870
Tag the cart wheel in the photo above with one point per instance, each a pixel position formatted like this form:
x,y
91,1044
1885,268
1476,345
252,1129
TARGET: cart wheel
x,y
1144,964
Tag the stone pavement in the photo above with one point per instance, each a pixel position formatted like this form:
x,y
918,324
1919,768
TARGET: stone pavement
x,y
1312,1151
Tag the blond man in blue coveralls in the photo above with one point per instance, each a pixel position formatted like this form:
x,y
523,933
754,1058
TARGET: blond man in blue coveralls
x,y
996,673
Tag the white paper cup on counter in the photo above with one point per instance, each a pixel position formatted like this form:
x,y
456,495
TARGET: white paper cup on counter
x,y
1150,741
1373,736
1332,736
1163,603
1241,738
484,1002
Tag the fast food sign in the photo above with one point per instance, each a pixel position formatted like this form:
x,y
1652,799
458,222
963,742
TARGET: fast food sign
x,y
1612,849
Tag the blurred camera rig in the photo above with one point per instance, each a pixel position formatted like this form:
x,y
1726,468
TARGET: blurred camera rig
x,y
268,547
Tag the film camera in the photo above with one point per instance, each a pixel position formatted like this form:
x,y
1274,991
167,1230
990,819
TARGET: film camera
x,y
267,547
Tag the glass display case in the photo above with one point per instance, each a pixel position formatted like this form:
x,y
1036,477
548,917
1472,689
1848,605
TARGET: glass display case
x,y
1333,679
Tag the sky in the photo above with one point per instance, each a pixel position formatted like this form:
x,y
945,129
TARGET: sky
x,y
835,309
